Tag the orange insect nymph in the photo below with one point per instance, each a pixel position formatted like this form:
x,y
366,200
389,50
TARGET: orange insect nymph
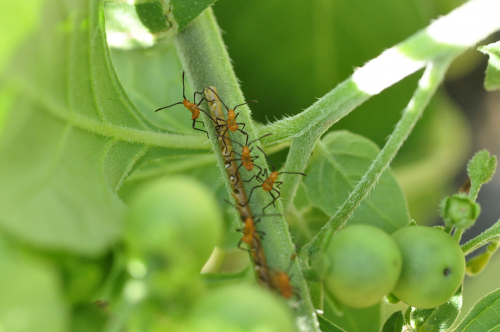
x,y
193,107
231,124
249,231
282,282
245,157
231,120
269,182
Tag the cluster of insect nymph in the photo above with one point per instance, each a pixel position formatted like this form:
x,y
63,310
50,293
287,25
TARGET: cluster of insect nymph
x,y
273,279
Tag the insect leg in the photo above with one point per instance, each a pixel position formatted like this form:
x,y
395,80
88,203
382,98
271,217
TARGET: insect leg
x,y
194,122
249,196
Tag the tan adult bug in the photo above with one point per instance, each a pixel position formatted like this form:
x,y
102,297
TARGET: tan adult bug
x,y
231,123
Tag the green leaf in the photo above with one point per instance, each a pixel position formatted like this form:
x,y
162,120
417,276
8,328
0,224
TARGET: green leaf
x,y
394,323
484,316
152,78
353,320
327,326
31,297
151,15
480,169
17,19
88,317
492,80
437,319
185,11
476,264
74,136
339,161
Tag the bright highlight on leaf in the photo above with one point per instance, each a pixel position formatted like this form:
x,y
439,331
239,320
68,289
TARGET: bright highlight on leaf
x,y
124,29
467,24
385,70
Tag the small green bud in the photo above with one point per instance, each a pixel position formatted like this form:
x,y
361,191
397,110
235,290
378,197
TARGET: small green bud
x,y
459,211
392,299
412,223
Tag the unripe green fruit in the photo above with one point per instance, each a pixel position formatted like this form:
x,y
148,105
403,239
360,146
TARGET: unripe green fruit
x,y
172,212
245,307
361,264
433,266
31,299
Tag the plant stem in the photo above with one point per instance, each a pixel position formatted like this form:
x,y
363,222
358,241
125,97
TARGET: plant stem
x,y
460,29
434,42
458,234
427,86
482,238
297,160
207,63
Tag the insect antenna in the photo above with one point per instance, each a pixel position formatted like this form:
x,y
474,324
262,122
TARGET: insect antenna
x,y
248,102
274,168
179,103
219,98
183,86
292,173
255,140
183,94
232,140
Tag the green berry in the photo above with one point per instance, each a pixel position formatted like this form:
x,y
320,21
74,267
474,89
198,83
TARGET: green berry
x,y
245,308
31,299
170,213
433,266
361,264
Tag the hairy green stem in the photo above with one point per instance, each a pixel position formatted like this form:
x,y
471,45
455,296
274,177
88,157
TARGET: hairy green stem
x,y
124,134
391,66
458,234
207,63
482,239
297,160
460,29
427,86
